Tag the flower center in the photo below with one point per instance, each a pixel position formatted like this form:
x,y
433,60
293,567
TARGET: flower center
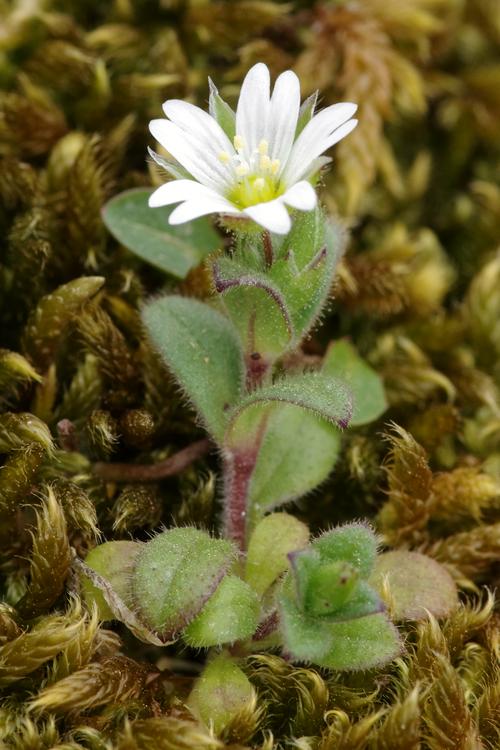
x,y
256,175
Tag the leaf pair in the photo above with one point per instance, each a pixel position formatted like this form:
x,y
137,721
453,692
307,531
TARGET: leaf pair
x,y
178,583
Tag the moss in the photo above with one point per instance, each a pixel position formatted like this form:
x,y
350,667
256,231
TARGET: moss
x,y
418,291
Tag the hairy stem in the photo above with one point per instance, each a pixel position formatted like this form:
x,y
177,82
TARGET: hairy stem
x,y
152,472
238,470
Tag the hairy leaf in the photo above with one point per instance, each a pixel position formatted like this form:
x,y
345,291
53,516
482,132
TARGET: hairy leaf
x,y
147,233
201,348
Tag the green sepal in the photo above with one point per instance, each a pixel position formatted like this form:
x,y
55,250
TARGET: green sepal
x,y
230,615
306,113
170,165
369,402
202,349
220,693
175,574
221,111
305,268
146,232
272,540
354,543
274,308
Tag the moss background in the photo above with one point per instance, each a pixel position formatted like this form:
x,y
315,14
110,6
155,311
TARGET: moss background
x,y
418,183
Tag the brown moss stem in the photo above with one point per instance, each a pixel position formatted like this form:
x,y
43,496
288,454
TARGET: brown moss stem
x,y
172,465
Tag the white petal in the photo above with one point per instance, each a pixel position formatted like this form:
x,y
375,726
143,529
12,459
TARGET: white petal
x,y
341,132
302,195
271,215
179,190
283,115
199,124
253,106
316,138
190,153
201,207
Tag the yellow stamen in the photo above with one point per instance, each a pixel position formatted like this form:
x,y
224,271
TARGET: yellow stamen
x,y
242,169
263,147
275,165
224,157
259,183
265,162
239,142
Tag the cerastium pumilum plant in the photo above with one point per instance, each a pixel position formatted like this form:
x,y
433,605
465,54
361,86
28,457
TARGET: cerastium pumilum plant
x,y
273,414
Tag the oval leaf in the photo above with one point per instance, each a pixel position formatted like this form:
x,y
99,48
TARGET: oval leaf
x,y
415,585
369,401
202,349
146,232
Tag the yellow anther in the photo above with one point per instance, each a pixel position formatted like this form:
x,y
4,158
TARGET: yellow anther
x,y
275,165
259,183
224,157
239,142
242,169
265,162
263,147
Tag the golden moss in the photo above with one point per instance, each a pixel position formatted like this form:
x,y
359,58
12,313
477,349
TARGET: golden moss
x,y
418,292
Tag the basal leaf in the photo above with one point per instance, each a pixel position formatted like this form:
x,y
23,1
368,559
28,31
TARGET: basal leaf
x,y
230,615
146,232
175,574
201,348
416,585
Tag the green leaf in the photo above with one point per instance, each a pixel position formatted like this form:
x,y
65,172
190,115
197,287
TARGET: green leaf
x,y
354,543
362,643
305,638
146,232
202,350
221,111
369,402
230,615
175,575
297,453
272,540
99,590
115,561
416,585
221,693
326,398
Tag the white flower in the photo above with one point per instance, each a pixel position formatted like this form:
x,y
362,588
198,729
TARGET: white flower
x,y
250,164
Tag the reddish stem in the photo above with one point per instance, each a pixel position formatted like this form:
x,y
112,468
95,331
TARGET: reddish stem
x,y
237,473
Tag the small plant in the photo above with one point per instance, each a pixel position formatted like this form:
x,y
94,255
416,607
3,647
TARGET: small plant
x,y
274,414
